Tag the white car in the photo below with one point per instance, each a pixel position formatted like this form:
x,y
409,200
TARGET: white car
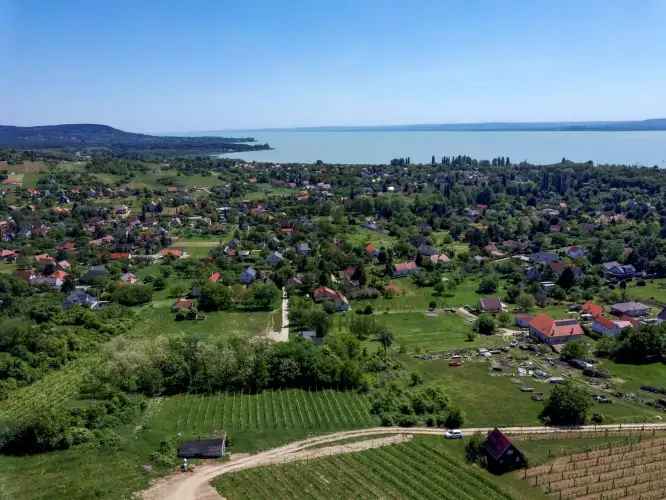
x,y
453,434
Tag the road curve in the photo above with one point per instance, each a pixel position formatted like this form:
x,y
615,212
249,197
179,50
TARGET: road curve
x,y
196,485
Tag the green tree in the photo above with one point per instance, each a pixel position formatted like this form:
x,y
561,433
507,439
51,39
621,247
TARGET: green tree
x,y
568,404
214,297
485,324
385,337
525,302
576,349
487,285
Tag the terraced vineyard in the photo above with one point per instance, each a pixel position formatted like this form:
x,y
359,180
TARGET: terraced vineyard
x,y
267,411
633,471
421,468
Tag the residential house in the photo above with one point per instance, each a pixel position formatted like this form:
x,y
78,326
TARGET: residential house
x,y
325,294
371,251
183,304
128,278
615,270
80,298
552,332
491,305
544,257
440,259
575,252
215,277
609,327
8,255
404,269
177,253
501,454
303,248
592,309
274,259
523,320
632,309
248,276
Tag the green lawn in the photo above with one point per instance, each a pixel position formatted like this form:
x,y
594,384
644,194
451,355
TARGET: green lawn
x,y
629,377
7,267
158,319
441,332
413,298
360,237
654,292
197,248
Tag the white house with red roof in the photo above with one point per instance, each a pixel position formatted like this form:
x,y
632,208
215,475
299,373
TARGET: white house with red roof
x,y
554,331
610,327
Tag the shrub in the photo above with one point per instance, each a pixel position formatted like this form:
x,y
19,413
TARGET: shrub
x,y
454,419
485,324
474,449
133,295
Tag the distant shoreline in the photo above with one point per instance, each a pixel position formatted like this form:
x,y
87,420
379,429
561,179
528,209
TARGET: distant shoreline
x,y
658,124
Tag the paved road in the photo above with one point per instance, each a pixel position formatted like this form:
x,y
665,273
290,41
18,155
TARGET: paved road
x,y
196,485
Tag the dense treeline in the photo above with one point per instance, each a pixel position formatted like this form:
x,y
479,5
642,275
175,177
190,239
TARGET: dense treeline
x,y
171,365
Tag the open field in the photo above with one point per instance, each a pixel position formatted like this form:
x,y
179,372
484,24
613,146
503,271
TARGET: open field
x,y
489,399
158,319
413,298
360,237
420,468
654,292
437,332
197,248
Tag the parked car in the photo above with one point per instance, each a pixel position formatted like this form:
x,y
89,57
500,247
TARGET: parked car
x,y
453,434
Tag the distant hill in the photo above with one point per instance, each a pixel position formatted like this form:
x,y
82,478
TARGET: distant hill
x,y
610,126
91,136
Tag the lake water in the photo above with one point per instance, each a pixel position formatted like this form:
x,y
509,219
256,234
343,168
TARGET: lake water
x,y
632,148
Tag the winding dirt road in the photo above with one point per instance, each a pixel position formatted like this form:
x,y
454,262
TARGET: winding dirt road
x,y
196,485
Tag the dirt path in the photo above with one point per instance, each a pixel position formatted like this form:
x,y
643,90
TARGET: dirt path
x,y
196,485
465,314
283,334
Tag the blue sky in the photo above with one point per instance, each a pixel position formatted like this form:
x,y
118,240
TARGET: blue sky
x,y
210,65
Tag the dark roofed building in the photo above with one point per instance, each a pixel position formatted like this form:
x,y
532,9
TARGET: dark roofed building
x,y
79,298
203,448
502,455
490,305
633,309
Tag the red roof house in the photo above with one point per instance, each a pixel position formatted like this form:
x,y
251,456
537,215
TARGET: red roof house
x,y
324,293
172,252
554,331
215,277
404,268
592,309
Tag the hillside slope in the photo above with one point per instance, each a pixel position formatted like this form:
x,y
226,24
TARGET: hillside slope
x,y
92,136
